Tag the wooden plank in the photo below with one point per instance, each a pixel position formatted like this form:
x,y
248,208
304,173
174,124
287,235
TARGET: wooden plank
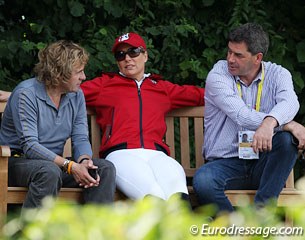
x,y
187,112
68,149
170,135
184,142
2,106
198,132
190,172
95,136
16,195
288,197
290,180
4,154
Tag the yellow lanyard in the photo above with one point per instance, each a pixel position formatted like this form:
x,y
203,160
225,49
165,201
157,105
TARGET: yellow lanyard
x,y
259,90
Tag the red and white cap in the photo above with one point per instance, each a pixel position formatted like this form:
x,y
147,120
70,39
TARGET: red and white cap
x,y
131,38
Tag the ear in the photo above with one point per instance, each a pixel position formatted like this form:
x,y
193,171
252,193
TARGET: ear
x,y
259,57
146,56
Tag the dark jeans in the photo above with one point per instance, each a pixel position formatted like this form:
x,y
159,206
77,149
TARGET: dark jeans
x,y
44,178
266,174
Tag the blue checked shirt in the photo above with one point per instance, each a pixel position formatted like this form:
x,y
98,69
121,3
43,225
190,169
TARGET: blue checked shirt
x,y
226,112
32,124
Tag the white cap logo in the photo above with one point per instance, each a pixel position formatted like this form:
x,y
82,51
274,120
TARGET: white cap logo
x,y
124,37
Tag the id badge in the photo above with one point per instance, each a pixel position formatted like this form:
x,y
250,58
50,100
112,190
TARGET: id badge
x,y
245,151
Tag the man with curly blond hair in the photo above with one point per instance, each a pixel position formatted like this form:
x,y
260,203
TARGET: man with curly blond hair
x,y
41,114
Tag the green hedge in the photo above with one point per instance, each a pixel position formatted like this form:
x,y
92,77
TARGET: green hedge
x,y
184,37
150,219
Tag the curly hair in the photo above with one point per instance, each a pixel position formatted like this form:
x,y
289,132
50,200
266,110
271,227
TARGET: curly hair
x,y
253,36
57,60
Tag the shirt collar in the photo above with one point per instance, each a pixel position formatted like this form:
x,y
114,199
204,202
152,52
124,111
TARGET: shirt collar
x,y
257,79
144,76
42,94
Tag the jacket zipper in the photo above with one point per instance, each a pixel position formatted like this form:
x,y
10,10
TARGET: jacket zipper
x,y
140,115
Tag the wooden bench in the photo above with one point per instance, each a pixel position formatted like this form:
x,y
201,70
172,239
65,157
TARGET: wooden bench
x,y
184,136
16,195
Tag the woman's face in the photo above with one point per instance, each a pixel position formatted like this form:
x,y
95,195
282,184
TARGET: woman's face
x,y
132,67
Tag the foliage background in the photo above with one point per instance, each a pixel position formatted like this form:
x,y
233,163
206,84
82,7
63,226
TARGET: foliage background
x,y
151,219
185,38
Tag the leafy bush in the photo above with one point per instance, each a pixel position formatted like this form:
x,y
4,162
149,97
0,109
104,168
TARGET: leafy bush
x,y
150,219
185,38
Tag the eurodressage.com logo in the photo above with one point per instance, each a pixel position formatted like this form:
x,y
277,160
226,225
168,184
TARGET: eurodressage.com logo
x,y
234,230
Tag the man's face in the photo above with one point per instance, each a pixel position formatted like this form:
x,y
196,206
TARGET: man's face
x,y
240,61
77,76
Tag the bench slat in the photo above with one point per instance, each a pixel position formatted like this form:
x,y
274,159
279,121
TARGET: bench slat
x,y
170,133
290,180
198,132
95,136
68,148
286,198
187,112
184,142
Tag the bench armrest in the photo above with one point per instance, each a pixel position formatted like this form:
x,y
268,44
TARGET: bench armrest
x,y
5,151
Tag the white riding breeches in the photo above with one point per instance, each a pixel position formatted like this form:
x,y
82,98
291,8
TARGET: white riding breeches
x,y
141,172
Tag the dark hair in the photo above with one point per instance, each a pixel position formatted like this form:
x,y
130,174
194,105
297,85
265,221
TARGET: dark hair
x,y
253,36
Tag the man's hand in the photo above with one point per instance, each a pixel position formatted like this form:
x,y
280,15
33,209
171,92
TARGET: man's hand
x,y
262,139
82,176
298,131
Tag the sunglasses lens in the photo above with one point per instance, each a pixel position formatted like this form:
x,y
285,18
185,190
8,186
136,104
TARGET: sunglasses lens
x,y
132,52
120,56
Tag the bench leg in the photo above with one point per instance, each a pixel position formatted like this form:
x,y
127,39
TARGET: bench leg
x,y
288,220
3,213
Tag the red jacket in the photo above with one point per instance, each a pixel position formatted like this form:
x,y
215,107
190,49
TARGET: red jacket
x,y
135,118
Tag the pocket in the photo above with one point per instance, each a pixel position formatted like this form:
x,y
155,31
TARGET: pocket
x,y
107,134
108,128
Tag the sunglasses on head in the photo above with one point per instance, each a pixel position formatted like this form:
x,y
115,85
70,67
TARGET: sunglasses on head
x,y
132,52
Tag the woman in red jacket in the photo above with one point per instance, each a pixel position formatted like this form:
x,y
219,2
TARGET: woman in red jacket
x,y
131,108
